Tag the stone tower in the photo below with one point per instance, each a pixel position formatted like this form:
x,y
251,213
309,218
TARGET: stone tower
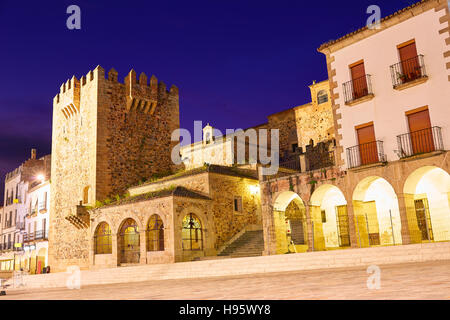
x,y
106,136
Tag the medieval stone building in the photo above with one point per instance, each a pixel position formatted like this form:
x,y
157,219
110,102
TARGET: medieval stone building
x,y
107,135
365,163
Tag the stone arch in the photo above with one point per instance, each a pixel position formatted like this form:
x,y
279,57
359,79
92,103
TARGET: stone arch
x,y
130,215
105,219
209,236
283,200
290,226
427,200
376,210
155,233
192,233
329,211
103,238
128,241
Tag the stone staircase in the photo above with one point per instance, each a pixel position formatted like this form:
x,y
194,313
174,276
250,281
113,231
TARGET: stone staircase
x,y
249,244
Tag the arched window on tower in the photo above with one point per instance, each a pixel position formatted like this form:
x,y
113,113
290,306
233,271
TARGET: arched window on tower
x,y
322,97
86,194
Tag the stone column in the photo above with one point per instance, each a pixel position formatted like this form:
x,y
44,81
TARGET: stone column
x,y
352,226
142,247
115,250
309,227
406,237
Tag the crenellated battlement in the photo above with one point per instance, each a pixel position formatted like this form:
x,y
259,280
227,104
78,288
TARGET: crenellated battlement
x,y
141,96
142,93
68,98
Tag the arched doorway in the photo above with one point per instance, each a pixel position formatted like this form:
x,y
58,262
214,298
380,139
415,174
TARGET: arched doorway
x,y
377,216
427,201
329,208
191,233
128,241
155,234
290,223
103,239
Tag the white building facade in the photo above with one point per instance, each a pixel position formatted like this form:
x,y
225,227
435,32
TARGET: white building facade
x,y
391,97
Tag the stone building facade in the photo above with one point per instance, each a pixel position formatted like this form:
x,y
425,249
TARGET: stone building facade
x,y
223,200
17,184
393,188
107,135
301,130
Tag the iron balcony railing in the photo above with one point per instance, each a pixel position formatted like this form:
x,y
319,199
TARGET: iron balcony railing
x,y
408,70
366,153
37,235
8,245
42,205
357,88
421,141
293,164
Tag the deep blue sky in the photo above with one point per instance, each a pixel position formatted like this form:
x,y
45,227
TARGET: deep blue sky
x,y
235,61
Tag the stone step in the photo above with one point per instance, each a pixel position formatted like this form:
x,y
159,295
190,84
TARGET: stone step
x,y
250,265
251,243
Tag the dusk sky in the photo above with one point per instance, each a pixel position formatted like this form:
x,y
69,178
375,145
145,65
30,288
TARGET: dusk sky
x,y
234,61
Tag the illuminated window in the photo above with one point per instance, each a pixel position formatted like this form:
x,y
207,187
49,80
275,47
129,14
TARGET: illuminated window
x,y
103,239
238,204
192,233
322,97
86,192
155,234
324,216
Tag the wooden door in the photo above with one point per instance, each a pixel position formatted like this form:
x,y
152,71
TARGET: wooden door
x,y
367,145
343,226
410,62
297,231
359,80
421,132
423,219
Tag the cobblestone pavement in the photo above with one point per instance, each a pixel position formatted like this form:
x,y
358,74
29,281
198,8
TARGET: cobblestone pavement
x,y
430,280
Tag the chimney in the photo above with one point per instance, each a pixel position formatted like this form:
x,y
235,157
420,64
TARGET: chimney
x,y
33,154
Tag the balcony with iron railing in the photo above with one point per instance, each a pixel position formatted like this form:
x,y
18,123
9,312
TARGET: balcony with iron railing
x,y
420,142
42,206
6,246
292,164
358,90
35,236
408,72
365,154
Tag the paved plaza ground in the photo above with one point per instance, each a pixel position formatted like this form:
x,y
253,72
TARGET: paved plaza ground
x,y
427,280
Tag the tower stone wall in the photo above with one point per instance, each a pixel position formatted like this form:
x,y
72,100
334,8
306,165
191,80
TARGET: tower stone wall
x,y
107,136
